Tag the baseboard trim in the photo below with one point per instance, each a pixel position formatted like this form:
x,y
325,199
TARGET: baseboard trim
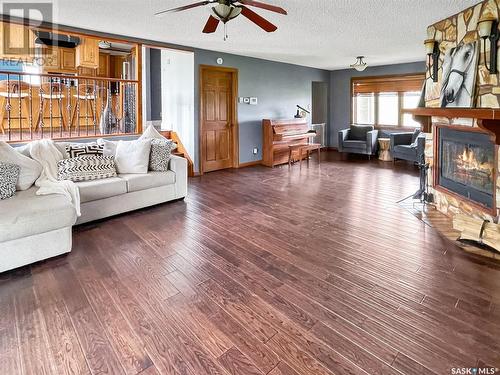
x,y
250,164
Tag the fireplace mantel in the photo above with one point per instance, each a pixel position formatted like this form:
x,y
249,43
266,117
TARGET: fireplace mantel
x,y
488,119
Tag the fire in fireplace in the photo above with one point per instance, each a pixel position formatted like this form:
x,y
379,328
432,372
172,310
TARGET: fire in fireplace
x,y
467,165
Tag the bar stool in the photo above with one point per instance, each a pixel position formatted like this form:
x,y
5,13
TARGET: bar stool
x,y
87,93
52,95
13,90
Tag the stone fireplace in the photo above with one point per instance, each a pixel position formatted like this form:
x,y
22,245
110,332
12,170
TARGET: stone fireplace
x,y
465,165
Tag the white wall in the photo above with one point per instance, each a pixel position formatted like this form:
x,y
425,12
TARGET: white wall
x,y
177,92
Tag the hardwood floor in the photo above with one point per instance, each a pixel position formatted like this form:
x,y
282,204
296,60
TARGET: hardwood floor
x,y
259,271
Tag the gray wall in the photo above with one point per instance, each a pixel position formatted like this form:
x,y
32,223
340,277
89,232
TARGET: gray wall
x,y
155,83
340,92
279,88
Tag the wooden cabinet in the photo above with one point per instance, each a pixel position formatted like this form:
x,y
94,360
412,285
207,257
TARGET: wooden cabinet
x,y
16,42
103,70
57,59
49,58
87,53
67,59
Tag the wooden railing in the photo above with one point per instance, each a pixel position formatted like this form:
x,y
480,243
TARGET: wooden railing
x,y
35,106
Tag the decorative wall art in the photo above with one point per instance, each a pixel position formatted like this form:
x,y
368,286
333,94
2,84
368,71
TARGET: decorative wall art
x,y
459,76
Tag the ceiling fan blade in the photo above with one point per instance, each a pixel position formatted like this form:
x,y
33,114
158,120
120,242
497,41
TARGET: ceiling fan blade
x,y
185,7
211,25
258,4
258,20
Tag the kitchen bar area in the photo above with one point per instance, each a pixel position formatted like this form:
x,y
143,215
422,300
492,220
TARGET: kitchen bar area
x,y
55,84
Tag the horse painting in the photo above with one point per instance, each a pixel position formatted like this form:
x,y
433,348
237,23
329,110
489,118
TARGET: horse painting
x,y
459,73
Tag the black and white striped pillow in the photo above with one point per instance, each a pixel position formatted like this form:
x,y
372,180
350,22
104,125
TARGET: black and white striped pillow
x,y
93,149
85,168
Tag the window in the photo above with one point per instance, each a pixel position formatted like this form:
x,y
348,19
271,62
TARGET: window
x,y
410,100
388,108
365,109
380,101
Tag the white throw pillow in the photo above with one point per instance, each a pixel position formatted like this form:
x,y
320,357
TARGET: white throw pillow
x,y
151,133
132,156
30,169
109,147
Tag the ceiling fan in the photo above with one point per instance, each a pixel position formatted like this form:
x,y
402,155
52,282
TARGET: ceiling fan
x,y
226,10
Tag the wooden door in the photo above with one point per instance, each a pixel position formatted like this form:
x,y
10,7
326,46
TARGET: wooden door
x,y
217,107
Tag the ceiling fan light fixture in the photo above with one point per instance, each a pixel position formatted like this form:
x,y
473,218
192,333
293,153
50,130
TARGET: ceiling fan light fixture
x,y
225,12
360,65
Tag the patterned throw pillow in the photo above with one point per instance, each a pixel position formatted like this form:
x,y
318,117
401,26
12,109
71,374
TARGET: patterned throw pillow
x,y
93,149
9,173
87,167
161,150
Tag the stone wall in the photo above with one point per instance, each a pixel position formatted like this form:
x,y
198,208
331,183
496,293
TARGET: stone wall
x,y
450,32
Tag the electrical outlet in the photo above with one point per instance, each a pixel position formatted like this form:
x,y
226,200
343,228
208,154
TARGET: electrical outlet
x,y
255,151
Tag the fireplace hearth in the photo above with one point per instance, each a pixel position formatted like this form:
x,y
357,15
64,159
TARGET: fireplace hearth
x,y
466,165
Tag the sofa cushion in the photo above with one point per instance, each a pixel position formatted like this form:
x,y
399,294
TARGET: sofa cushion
x,y
27,214
360,145
405,150
100,189
29,169
358,132
137,182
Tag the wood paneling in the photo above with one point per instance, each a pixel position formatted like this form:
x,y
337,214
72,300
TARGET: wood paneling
x,y
326,277
397,83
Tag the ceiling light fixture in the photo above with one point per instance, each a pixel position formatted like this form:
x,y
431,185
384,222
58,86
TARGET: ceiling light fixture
x,y
225,13
360,64
104,44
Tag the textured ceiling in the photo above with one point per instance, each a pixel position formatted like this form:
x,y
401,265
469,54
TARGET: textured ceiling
x,y
319,33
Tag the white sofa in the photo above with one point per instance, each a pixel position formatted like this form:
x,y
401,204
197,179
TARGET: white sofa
x,y
33,228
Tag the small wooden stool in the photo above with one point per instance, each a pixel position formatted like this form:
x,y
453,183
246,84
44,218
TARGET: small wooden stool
x,y
384,145
301,147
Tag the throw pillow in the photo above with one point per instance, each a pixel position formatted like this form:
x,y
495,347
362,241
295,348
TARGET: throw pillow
x,y
133,156
29,169
75,150
161,150
151,133
109,147
9,173
86,167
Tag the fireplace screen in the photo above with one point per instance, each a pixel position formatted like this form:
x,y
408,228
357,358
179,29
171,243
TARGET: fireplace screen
x,y
467,165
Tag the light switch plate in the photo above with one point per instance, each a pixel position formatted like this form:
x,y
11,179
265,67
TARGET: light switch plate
x,y
253,101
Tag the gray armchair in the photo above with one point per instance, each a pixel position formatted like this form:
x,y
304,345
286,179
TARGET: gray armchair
x,y
408,146
359,139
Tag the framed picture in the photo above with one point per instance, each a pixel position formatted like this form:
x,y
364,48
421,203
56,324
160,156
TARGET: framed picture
x,y
459,76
